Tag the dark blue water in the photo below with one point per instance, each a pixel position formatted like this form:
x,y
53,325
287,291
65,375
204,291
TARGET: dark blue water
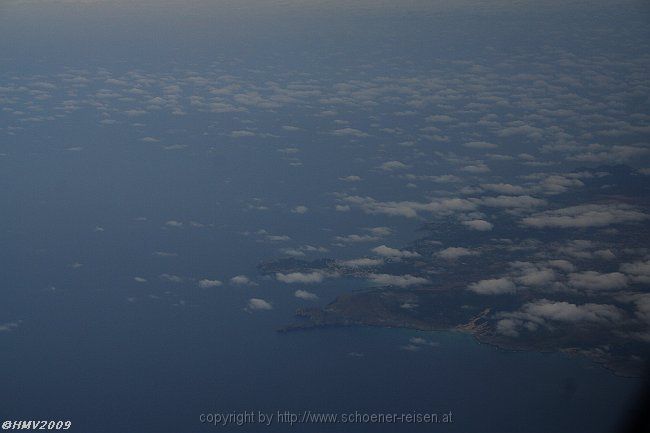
x,y
111,354
161,372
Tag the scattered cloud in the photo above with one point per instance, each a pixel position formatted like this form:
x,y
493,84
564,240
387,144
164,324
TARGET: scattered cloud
x,y
351,132
363,262
242,280
479,225
538,313
393,165
453,253
174,223
494,286
410,209
513,202
207,284
503,188
171,278
582,216
259,304
9,326
638,272
397,280
531,274
300,209
303,294
593,280
300,277
164,254
385,251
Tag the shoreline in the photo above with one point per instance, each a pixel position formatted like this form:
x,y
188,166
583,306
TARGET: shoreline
x,y
572,353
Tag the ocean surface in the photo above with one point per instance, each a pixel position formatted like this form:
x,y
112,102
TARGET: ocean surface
x,y
113,354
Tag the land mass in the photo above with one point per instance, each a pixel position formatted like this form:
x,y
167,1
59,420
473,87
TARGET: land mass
x,y
514,287
448,310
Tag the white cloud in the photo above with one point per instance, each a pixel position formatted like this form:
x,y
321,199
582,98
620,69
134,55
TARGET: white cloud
x,y
642,303
303,294
563,265
614,154
639,272
556,184
480,225
567,312
300,209
259,304
508,327
8,327
443,178
393,165
513,202
164,254
538,313
593,280
241,280
397,280
503,188
453,253
300,277
277,238
410,347
476,168
590,215
605,254
353,239
350,132
580,249
292,252
206,283
410,209
494,286
530,274
423,342
171,278
385,251
361,263
379,231
519,128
